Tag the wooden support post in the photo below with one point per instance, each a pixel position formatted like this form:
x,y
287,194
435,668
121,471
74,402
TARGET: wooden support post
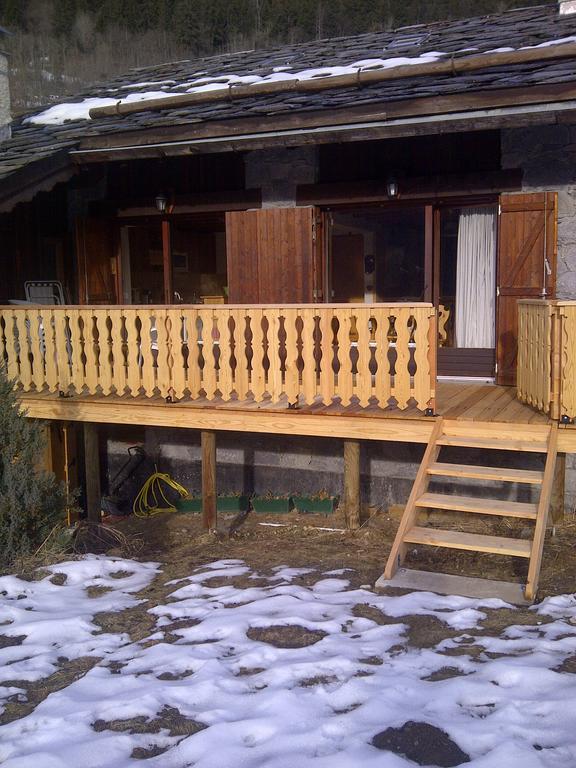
x,y
167,261
352,483
92,472
208,442
47,453
433,358
557,499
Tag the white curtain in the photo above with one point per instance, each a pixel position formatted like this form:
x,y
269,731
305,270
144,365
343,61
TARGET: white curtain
x,y
476,279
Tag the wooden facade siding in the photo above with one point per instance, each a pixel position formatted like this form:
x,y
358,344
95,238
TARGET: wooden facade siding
x,y
308,353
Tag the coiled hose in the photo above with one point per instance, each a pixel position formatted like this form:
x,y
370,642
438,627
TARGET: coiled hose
x,y
152,495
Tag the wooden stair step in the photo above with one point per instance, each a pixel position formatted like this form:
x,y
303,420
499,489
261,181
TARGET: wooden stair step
x,y
480,506
492,443
486,473
498,545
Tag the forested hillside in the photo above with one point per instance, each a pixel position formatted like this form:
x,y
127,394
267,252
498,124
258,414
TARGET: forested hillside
x,y
59,46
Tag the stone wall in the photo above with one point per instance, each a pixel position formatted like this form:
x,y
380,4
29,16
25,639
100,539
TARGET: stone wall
x,y
277,172
547,155
4,99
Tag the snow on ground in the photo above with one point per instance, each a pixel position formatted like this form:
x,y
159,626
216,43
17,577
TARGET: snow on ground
x,y
210,687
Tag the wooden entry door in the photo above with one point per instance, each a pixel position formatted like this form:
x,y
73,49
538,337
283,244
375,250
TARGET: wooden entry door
x,y
97,251
526,267
275,256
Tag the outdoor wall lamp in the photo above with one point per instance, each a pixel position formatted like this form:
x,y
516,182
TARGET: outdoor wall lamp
x,y
161,202
392,187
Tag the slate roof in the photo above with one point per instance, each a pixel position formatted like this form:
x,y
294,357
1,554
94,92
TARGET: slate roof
x,y
515,29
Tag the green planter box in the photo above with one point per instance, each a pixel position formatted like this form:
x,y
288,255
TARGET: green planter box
x,y
271,506
223,504
310,505
193,504
232,503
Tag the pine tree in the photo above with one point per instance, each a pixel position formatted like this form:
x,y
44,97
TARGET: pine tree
x,y
32,501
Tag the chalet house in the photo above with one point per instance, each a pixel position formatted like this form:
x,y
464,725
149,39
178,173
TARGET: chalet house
x,y
369,239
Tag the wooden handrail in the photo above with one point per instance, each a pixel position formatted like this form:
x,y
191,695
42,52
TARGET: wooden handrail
x,y
364,354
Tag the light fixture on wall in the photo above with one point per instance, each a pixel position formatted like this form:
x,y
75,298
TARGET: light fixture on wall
x,y
161,201
392,187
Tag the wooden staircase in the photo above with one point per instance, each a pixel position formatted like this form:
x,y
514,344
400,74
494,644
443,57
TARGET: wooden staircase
x,y
491,436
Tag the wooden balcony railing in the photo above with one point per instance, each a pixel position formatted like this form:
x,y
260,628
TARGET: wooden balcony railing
x,y
312,353
547,356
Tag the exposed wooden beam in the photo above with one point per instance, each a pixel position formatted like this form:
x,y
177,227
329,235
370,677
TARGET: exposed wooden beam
x,y
204,202
326,118
426,187
156,413
167,261
208,444
352,483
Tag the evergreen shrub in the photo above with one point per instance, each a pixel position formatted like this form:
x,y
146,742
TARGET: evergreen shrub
x,y
32,500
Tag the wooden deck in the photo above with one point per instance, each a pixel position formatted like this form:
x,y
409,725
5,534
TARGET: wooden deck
x,y
456,401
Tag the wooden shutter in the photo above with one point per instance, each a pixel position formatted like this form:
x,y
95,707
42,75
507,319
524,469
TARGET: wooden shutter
x,y
526,267
273,256
98,267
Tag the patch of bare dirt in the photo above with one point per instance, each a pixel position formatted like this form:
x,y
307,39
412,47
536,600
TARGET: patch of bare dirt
x,y
568,665
169,719
289,636
97,590
59,579
179,541
135,621
7,641
365,611
22,704
445,673
311,682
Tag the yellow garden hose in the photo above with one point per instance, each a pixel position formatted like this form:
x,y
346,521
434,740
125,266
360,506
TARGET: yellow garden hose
x,y
151,495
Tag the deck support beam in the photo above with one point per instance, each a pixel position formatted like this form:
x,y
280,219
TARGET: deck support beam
x,y
352,483
92,472
558,490
208,444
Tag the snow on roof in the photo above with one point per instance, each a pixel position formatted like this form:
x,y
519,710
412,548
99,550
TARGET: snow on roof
x,y
66,111
60,113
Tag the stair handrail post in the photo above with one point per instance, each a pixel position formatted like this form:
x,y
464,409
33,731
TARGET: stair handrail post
x,y
433,356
